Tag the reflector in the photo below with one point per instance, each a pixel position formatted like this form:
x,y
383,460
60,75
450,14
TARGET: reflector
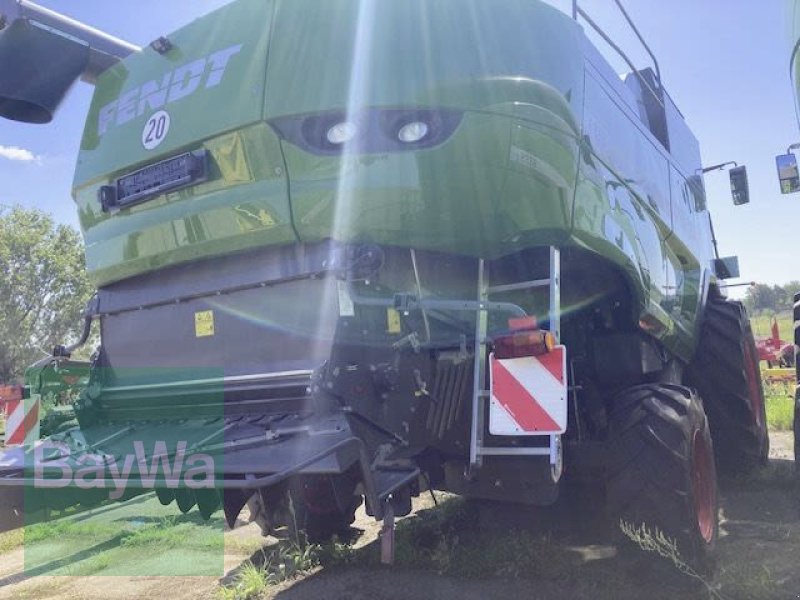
x,y
524,343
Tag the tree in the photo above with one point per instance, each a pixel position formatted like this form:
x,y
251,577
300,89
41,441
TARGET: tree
x,y
761,297
43,290
792,288
783,299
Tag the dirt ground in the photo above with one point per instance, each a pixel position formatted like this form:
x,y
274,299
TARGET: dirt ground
x,y
759,557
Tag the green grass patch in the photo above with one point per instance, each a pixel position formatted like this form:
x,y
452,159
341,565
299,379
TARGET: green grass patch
x,y
138,537
68,528
779,399
164,533
762,324
11,539
780,413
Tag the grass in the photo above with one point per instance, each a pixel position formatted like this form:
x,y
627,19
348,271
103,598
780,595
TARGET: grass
x,y
283,562
762,324
779,399
139,537
11,539
780,413
250,582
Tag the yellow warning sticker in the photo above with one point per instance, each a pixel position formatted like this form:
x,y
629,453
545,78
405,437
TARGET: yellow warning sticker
x,y
393,321
204,323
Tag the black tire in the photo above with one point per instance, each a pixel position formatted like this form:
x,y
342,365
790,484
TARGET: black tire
x,y
796,429
796,424
726,374
661,471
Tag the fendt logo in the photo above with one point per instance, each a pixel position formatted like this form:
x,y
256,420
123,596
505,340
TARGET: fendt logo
x,y
175,85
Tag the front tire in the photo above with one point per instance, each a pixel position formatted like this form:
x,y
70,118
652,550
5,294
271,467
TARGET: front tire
x,y
726,373
661,471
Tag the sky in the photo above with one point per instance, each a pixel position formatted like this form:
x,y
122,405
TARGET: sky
x,y
724,62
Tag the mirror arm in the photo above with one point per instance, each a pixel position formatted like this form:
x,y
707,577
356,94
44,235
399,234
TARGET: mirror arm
x,y
721,166
713,236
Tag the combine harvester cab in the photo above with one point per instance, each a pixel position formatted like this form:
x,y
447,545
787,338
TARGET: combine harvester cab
x,y
351,250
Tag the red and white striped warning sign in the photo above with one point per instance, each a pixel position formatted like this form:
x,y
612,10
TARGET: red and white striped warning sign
x,y
22,421
529,394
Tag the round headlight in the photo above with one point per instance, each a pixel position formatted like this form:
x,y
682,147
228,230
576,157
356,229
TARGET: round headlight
x,y
413,132
341,133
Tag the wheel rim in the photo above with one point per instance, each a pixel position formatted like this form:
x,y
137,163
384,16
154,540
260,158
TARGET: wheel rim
x,y
703,486
752,385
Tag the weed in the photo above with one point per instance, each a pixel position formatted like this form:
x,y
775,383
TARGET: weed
x,y
337,553
251,582
656,542
286,562
292,560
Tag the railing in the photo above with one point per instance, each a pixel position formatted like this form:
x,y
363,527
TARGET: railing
x,y
577,11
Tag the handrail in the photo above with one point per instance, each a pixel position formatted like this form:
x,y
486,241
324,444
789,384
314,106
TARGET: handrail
x,y
577,10
641,38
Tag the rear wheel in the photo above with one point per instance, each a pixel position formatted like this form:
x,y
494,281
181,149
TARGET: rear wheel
x,y
726,373
661,472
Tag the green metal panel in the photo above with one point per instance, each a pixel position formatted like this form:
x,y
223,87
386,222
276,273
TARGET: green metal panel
x,y
445,53
548,150
211,83
478,194
508,170
243,205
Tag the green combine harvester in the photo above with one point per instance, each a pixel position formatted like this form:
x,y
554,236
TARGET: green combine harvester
x,y
349,251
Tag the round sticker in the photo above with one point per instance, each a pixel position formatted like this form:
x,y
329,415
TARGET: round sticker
x,y
155,130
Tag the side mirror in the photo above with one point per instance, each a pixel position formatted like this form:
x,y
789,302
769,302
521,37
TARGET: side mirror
x,y
739,186
788,173
727,268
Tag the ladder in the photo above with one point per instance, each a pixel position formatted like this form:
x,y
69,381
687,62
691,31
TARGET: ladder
x,y
481,394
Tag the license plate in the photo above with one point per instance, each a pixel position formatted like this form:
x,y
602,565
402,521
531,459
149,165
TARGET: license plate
x,y
168,175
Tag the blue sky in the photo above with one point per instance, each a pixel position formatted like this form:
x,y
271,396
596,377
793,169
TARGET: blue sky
x,y
724,62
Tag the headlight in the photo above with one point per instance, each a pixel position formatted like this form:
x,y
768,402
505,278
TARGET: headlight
x,y
369,131
413,132
341,133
